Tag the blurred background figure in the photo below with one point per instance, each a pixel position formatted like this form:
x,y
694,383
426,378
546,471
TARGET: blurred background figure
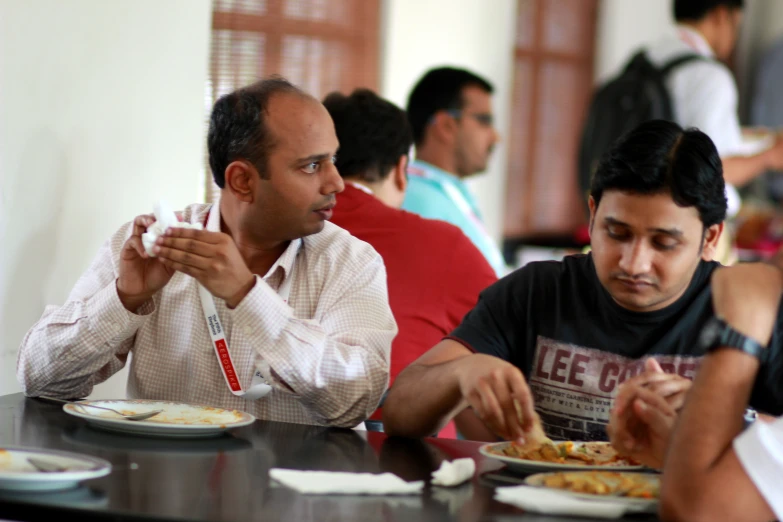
x,y
450,111
434,272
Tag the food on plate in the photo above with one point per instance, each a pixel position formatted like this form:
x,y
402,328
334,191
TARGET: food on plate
x,y
568,452
186,418
536,440
630,485
538,447
5,459
173,413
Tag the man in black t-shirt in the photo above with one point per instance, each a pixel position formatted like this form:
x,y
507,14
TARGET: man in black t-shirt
x,y
561,337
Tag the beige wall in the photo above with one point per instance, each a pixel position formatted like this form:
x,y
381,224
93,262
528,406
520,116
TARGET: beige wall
x,y
101,113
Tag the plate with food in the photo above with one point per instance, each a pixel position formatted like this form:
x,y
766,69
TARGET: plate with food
x,y
540,453
89,437
562,455
639,489
175,419
32,469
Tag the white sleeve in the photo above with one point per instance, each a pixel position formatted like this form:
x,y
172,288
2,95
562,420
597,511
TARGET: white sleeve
x,y
707,100
760,451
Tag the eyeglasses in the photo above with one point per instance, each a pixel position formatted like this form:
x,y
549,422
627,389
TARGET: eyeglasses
x,y
484,118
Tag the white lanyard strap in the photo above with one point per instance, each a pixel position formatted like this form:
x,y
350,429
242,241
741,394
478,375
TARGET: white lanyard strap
x,y
462,204
258,386
361,187
456,197
465,207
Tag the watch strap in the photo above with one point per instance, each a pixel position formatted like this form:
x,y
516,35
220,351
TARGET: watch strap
x,y
731,338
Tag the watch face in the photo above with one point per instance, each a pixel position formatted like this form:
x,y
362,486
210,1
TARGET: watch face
x,y
710,333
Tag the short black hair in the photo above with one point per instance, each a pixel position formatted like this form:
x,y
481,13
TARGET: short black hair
x,y
373,134
695,10
237,126
659,156
438,90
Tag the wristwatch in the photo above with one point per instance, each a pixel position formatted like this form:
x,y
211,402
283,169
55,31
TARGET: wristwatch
x,y
717,333
749,417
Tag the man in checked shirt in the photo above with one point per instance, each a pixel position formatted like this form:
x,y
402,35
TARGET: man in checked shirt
x,y
300,301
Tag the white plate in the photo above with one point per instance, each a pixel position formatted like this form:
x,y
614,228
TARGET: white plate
x,y
642,503
87,436
17,474
533,466
176,420
82,497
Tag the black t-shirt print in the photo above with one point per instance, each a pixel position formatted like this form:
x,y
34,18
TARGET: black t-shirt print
x,y
576,345
573,386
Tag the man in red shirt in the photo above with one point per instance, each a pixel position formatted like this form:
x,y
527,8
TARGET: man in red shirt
x,y
434,272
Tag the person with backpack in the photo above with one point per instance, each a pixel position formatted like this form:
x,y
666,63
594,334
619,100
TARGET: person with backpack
x,y
682,78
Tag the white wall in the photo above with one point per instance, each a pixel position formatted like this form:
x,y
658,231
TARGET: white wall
x,y
623,26
475,34
101,113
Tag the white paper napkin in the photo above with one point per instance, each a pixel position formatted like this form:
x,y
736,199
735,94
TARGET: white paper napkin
x,y
454,473
165,218
550,502
344,483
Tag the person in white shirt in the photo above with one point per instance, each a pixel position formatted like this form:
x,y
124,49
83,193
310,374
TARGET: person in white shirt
x,y
704,92
270,309
712,470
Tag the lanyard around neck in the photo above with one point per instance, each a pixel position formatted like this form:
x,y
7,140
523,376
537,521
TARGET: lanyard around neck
x,y
258,386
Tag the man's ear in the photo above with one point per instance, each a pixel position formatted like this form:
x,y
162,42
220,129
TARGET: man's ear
x,y
400,174
711,238
241,179
443,126
591,204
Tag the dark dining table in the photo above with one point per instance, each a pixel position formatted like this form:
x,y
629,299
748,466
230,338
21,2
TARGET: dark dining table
x,y
227,478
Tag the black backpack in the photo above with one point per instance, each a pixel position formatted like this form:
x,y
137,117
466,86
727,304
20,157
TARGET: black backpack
x,y
636,95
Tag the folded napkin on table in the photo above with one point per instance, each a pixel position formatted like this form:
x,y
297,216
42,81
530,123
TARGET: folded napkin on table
x,y
551,502
344,483
454,473
165,218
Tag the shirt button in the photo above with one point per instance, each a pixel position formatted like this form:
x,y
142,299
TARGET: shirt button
x,y
247,330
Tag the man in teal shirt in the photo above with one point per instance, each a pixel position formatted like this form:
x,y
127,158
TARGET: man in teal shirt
x,y
450,111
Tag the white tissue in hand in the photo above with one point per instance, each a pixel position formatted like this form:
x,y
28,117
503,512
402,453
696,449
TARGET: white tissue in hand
x,y
454,473
165,218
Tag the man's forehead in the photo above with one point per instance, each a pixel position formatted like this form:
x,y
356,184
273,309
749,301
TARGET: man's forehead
x,y
647,211
301,123
475,97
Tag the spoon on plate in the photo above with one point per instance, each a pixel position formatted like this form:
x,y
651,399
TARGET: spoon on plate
x,y
127,416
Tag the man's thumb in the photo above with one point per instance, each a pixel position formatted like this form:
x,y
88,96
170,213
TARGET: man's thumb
x,y
651,365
